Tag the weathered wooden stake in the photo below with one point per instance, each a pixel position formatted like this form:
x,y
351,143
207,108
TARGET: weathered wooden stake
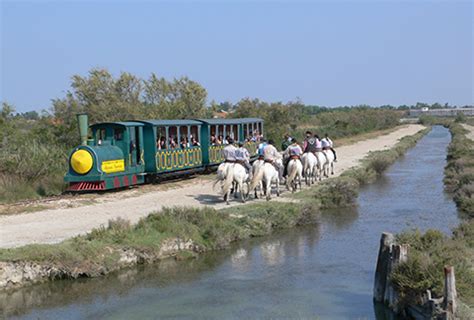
x,y
399,254
383,262
450,294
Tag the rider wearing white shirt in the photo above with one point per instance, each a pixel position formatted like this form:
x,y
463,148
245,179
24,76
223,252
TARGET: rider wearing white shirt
x,y
330,145
242,156
271,154
229,151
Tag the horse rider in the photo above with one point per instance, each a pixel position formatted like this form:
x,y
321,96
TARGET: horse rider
x,y
286,142
293,151
328,145
310,143
229,151
331,145
242,156
270,155
261,148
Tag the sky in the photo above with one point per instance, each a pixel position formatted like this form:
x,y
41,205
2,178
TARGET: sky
x,y
327,53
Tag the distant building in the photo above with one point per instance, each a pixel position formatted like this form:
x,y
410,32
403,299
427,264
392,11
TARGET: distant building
x,y
220,114
451,112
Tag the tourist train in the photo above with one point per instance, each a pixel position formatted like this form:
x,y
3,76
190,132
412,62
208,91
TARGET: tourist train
x,y
121,154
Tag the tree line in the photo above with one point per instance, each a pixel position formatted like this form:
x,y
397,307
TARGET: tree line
x,y
34,146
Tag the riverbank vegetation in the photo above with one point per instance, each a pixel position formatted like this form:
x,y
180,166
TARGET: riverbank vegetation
x,y
431,251
184,232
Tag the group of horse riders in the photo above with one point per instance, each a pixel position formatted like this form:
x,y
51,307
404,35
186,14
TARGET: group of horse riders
x,y
269,153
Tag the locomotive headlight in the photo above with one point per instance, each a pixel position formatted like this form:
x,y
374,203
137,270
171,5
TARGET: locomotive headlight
x,y
81,161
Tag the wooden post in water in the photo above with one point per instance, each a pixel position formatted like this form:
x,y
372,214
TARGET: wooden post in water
x,y
383,262
399,254
450,294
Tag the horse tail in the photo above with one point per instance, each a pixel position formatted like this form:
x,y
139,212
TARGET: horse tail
x,y
221,174
292,174
229,178
257,177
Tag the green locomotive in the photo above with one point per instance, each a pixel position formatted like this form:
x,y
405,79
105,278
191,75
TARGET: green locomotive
x,y
121,154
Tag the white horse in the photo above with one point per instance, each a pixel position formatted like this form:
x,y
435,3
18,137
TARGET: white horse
x,y
256,165
267,175
236,174
329,166
295,171
310,163
221,173
321,164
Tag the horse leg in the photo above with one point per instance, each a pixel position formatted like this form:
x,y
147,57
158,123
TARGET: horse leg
x,y
236,189
227,197
268,188
332,167
278,186
242,192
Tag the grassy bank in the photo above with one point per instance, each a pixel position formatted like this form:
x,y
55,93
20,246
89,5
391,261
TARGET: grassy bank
x,y
184,232
431,251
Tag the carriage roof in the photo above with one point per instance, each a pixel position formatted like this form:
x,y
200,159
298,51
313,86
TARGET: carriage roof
x,y
119,123
178,122
230,121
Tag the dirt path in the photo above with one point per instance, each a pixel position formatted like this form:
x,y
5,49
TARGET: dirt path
x,y
55,225
470,135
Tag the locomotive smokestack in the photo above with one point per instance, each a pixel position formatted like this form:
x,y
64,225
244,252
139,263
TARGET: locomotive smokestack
x,y
83,122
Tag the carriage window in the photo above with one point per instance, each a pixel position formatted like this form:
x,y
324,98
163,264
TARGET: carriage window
x,y
194,137
183,139
172,137
100,136
217,135
228,133
118,134
235,132
161,142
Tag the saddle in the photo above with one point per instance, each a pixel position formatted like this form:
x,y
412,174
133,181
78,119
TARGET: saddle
x,y
260,157
294,157
230,161
268,161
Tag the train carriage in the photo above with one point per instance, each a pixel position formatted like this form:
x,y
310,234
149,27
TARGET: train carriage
x,y
121,154
169,145
245,130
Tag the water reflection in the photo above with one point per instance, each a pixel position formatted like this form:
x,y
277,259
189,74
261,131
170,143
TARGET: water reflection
x,y
324,271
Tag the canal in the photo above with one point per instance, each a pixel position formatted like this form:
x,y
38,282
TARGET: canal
x,y
323,271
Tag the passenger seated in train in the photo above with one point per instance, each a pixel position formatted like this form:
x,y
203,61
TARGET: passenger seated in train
x,y
213,140
161,143
184,143
194,142
173,143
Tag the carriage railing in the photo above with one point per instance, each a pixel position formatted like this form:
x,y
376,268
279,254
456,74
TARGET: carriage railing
x,y
178,159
